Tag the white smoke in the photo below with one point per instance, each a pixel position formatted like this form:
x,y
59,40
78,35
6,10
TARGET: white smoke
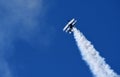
x,y
91,56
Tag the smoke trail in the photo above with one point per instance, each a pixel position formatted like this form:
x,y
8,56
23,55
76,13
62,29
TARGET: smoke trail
x,y
95,62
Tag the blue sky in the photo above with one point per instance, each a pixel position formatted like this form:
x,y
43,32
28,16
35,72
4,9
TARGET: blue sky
x,y
32,43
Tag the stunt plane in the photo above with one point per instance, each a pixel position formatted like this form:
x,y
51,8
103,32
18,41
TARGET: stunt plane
x,y
69,27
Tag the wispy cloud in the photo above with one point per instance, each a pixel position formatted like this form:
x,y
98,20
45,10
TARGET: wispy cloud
x,y
4,69
18,19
